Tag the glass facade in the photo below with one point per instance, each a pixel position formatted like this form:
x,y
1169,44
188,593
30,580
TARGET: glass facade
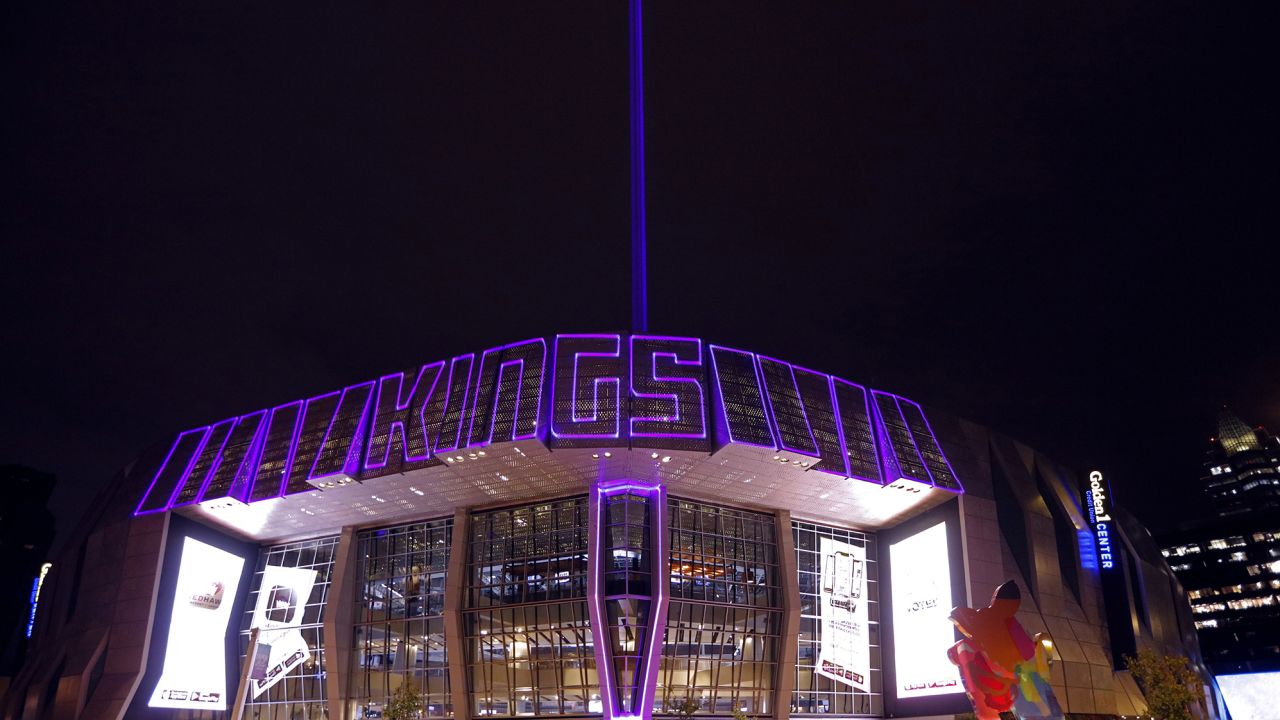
x,y
628,587
301,694
817,694
528,631
720,649
399,618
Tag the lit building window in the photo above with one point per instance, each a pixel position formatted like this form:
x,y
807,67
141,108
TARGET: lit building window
x,y
528,631
721,643
301,694
817,694
399,628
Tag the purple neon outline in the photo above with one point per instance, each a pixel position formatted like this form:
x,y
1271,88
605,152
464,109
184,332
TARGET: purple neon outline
x,y
595,388
168,456
398,423
217,460
715,370
835,416
912,436
302,426
773,416
658,615
448,395
928,477
249,455
191,465
871,430
288,458
890,451
945,460
497,385
355,447
675,399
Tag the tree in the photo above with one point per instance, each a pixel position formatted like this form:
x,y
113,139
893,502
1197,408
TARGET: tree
x,y
1168,682
685,708
405,704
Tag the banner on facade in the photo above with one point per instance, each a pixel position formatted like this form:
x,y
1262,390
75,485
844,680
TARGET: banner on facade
x,y
195,660
844,654
282,599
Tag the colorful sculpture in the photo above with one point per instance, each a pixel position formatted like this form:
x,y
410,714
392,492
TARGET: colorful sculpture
x,y
1003,668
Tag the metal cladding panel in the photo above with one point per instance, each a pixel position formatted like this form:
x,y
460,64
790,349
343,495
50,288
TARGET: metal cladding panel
x,y
668,393
786,408
316,416
406,420
238,460
206,461
459,388
899,443
741,402
857,430
587,405
277,452
927,443
508,394
816,393
343,444
173,470
656,393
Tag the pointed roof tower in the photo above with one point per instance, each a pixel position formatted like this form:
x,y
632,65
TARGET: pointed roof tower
x,y
1234,435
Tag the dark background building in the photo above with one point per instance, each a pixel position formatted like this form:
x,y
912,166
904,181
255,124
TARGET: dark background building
x,y
26,532
1229,559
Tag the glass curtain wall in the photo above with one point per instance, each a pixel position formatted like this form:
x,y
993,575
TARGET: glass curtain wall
x,y
528,632
817,694
399,633
627,587
301,694
721,645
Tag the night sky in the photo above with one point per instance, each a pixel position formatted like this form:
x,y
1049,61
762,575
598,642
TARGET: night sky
x,y
1057,221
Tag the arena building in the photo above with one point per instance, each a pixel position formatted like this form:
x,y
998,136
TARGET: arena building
x,y
585,526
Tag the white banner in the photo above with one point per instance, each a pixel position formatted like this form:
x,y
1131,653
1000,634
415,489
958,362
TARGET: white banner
x,y
922,629
845,651
282,598
195,658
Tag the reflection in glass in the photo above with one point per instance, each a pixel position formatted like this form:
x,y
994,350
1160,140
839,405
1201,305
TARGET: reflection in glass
x,y
720,647
399,633
528,634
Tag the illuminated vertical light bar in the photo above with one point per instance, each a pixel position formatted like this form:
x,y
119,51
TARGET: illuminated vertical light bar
x,y
639,267
644,683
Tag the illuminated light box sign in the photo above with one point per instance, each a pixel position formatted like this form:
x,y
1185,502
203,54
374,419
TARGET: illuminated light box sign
x,y
195,674
1250,696
923,632
583,390
1097,501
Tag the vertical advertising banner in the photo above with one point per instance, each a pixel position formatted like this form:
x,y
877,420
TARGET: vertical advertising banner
x,y
845,652
282,598
195,659
921,584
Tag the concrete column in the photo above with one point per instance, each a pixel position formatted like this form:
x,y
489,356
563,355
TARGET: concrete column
x,y
455,638
790,637
339,623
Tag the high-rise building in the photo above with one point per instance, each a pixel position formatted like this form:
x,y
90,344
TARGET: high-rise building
x,y
1229,559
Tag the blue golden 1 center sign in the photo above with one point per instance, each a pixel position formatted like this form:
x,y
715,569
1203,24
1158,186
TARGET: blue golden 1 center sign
x,y
1097,502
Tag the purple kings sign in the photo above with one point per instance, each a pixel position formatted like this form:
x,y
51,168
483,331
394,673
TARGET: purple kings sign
x,y
573,391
